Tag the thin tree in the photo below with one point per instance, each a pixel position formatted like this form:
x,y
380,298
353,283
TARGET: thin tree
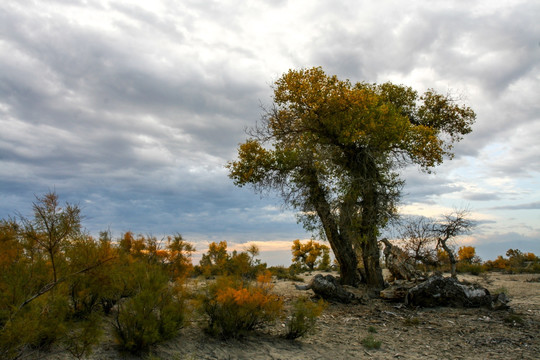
x,y
52,226
447,229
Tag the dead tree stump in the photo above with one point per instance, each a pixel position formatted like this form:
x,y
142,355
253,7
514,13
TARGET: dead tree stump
x,y
398,262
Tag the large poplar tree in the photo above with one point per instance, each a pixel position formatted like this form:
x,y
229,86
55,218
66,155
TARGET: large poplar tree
x,y
333,149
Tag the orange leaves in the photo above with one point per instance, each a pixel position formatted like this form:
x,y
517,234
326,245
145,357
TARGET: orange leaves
x,y
235,307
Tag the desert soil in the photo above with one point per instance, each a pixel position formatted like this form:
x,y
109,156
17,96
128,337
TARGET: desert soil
x,y
404,333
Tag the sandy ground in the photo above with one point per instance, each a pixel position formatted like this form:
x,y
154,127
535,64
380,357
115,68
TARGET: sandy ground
x,y
404,333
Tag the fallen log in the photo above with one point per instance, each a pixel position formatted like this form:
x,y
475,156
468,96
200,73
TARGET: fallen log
x,y
328,288
445,291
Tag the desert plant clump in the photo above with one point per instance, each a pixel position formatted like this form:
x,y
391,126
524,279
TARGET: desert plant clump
x,y
234,307
283,273
304,317
154,314
514,319
369,342
372,330
217,262
411,321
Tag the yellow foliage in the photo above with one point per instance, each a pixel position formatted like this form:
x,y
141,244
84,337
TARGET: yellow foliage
x,y
467,254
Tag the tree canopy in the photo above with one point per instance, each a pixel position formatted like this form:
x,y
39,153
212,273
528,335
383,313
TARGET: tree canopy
x,y
333,149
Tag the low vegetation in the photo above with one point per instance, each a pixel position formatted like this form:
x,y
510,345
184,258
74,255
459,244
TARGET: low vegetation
x,y
235,307
304,317
62,289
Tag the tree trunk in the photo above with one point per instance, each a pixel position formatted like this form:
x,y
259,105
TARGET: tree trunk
x,y
372,266
341,245
369,243
451,257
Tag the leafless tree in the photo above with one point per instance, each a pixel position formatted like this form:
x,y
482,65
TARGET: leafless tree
x,y
448,228
419,240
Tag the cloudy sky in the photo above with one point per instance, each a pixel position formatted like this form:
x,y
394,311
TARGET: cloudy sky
x,y
132,108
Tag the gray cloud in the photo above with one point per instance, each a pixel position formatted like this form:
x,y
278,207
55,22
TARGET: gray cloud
x,y
481,196
527,206
133,109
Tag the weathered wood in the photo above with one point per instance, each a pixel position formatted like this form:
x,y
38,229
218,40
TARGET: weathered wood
x,y
398,262
397,291
444,291
328,288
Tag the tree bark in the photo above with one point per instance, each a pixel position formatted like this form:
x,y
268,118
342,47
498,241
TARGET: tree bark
x,y
451,257
341,245
369,243
372,266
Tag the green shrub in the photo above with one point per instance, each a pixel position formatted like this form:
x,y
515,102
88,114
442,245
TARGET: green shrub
x,y
83,336
473,269
283,273
151,316
372,330
235,307
304,317
369,342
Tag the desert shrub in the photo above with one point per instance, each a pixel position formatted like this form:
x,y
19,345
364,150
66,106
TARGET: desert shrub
x,y
304,317
234,306
283,273
217,261
372,330
411,321
369,342
154,314
473,269
179,256
81,337
514,319
36,326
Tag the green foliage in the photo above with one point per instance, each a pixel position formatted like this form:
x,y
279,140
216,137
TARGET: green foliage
x,y
235,307
372,330
56,282
473,269
179,256
154,314
217,261
304,317
81,337
283,273
332,149
369,342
